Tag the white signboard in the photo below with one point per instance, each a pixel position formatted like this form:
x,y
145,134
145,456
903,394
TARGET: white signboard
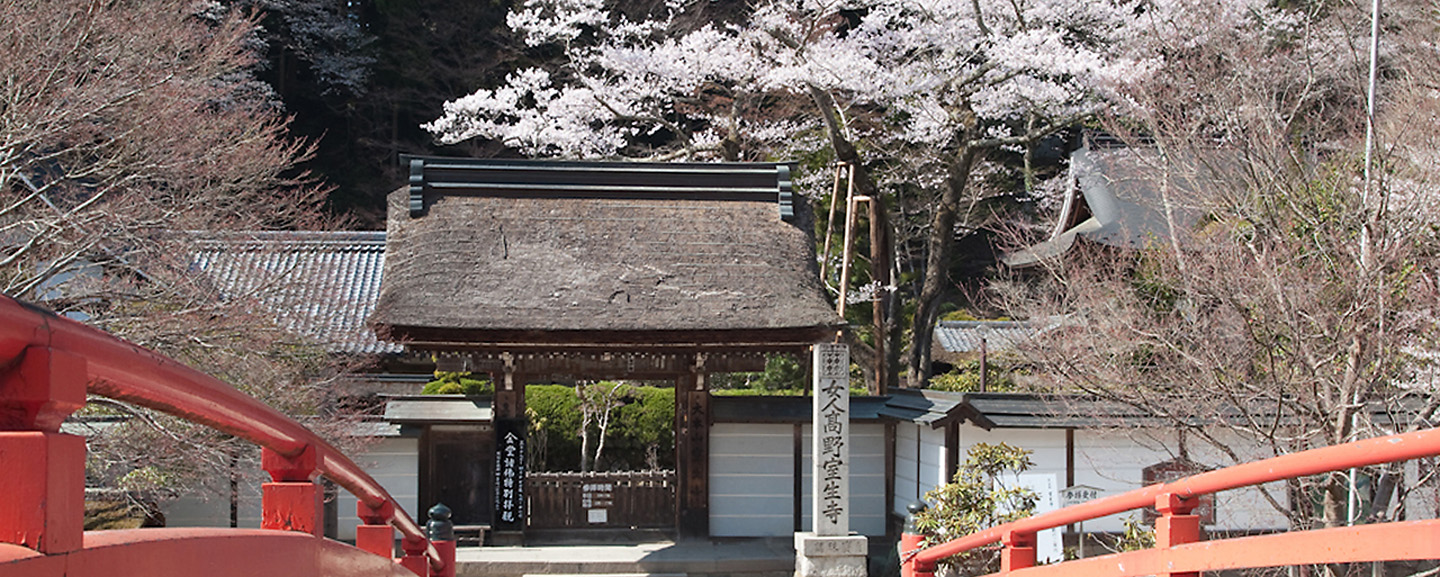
x,y
830,449
1048,544
1077,494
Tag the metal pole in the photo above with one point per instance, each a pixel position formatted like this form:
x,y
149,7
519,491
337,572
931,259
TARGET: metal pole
x,y
983,364
1352,504
1370,97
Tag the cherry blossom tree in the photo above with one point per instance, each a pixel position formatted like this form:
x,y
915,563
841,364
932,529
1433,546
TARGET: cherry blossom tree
x,y
1300,309
124,129
912,94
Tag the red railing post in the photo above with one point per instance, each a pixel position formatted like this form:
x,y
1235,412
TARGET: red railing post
x,y
415,559
911,542
374,534
1176,525
909,566
1018,551
442,537
293,500
42,491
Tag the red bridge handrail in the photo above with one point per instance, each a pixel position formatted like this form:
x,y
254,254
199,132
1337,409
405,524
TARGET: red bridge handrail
x,y
128,372
1363,453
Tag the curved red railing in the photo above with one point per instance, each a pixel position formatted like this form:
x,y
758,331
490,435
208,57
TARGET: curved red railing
x,y
1185,554
124,371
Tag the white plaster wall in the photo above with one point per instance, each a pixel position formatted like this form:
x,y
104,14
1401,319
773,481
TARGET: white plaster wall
x,y
394,462
210,507
933,455
1046,446
752,487
920,456
1114,461
907,465
1110,460
1241,509
1421,502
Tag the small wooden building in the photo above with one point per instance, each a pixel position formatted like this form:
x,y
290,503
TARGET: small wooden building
x,y
543,271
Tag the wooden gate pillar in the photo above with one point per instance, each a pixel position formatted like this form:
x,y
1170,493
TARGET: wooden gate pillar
x,y
42,492
692,452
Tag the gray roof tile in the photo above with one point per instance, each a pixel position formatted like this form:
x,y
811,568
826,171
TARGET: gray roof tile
x,y
320,285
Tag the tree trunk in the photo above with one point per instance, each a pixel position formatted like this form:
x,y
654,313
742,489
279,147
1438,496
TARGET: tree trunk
x,y
881,251
604,425
880,257
585,445
1335,498
937,261
234,490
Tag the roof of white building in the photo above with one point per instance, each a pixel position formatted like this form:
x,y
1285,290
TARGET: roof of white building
x,y
320,285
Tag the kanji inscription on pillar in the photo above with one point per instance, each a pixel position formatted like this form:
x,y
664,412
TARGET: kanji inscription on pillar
x,y
831,451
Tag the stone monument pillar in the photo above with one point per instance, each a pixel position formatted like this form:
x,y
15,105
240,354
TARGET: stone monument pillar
x,y
829,550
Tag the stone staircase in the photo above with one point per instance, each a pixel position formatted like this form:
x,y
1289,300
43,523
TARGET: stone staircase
x,y
738,558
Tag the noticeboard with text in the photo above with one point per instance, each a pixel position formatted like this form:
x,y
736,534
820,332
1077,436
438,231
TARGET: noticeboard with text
x,y
510,475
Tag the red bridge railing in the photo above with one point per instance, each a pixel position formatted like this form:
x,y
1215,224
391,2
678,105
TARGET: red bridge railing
x,y
1179,550
47,365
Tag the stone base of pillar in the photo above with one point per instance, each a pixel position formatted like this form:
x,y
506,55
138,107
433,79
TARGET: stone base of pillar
x,y
838,556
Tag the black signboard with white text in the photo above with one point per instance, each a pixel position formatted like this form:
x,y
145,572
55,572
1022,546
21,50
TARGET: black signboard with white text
x,y
509,475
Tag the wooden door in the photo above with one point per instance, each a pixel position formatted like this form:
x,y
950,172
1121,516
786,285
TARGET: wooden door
x,y
458,468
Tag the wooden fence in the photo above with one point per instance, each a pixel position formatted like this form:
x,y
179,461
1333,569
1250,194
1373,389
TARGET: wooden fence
x,y
601,500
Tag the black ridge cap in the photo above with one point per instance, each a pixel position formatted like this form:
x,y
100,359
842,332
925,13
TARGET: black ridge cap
x,y
602,179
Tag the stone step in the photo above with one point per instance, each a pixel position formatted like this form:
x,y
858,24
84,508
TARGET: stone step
x,y
606,575
687,558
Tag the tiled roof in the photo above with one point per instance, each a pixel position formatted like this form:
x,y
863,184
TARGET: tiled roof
x,y
320,285
965,336
778,409
1041,411
438,409
1011,410
1127,205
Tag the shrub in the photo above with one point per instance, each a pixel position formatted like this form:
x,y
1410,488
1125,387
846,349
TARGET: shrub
x,y
965,378
554,412
455,383
643,434
976,500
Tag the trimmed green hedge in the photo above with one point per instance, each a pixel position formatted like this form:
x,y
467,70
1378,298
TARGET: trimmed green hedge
x,y
458,384
641,434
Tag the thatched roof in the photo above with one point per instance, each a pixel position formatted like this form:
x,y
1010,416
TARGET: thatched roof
x,y
587,253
